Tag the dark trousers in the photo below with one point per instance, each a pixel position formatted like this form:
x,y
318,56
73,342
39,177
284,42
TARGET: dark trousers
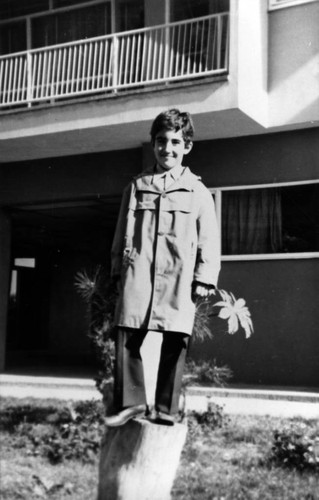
x,y
129,387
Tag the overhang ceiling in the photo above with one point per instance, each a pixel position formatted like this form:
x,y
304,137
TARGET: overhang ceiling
x,y
64,224
121,122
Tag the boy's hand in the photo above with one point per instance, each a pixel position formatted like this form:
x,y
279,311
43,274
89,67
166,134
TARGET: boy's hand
x,y
203,291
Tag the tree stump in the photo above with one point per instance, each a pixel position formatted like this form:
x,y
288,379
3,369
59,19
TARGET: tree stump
x,y
139,460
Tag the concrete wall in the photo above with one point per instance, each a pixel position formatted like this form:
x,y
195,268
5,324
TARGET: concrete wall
x,y
278,61
282,296
69,177
284,348
282,157
294,64
252,74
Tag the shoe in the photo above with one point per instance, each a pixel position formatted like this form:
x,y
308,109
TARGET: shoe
x,y
164,418
125,415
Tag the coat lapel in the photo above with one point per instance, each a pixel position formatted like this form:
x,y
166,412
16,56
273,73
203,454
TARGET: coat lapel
x,y
185,182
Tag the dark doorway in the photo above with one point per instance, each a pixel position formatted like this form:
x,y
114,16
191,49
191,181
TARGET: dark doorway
x,y
28,305
47,320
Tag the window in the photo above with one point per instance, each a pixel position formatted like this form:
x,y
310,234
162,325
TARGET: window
x,y
206,42
24,262
13,37
282,219
131,14
53,22
189,9
71,25
16,8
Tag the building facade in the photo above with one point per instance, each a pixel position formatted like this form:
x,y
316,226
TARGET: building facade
x,y
80,83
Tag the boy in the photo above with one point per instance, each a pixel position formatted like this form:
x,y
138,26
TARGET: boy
x,y
165,255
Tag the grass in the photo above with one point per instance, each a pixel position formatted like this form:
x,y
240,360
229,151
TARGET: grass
x,y
29,477
227,463
232,463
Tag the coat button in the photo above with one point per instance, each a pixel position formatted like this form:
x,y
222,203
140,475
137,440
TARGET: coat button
x,y
164,195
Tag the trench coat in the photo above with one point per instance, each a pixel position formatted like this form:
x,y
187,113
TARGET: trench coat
x,y
165,240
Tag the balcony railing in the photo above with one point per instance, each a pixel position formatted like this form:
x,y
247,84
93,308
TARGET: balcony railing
x,y
166,53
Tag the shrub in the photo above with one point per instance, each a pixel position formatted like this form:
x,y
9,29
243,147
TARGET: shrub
x,y
74,440
100,295
73,432
14,415
292,447
206,372
205,422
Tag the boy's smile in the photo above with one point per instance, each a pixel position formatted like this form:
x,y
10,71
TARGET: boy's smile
x,y
169,148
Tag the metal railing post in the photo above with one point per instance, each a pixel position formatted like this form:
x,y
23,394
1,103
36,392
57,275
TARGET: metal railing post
x,y
166,52
115,63
29,79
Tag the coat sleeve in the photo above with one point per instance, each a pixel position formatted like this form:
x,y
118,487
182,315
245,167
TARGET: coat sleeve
x,y
208,248
119,235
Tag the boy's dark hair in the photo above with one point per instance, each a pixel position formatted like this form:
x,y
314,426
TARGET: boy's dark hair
x,y
173,119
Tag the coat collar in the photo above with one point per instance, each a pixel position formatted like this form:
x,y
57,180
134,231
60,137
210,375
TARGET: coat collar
x,y
186,182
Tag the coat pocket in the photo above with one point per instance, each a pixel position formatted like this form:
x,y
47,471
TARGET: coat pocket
x,y
146,205
178,201
145,201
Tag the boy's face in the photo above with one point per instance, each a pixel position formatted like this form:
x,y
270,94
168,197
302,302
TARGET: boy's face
x,y
169,148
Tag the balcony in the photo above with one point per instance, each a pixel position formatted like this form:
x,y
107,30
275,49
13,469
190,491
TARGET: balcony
x,y
237,73
109,64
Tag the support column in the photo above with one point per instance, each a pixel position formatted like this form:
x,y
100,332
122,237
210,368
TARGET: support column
x,y
5,251
156,12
